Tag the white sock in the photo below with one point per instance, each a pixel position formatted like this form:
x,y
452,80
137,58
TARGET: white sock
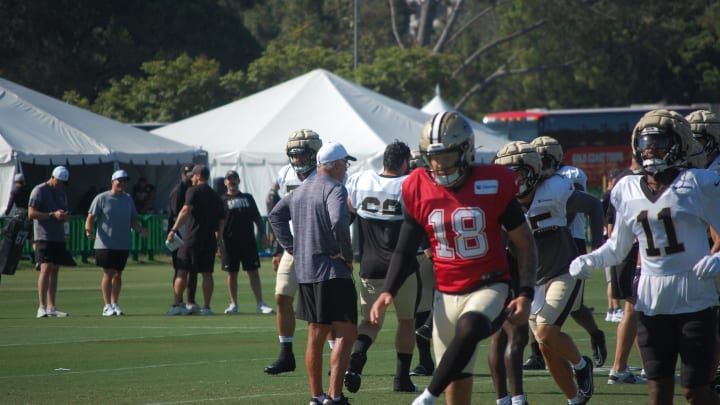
x,y
331,343
285,339
518,400
580,365
503,401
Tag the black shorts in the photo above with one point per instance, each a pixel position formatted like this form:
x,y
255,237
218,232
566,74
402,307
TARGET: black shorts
x,y
234,253
624,277
691,336
111,259
53,252
196,259
328,301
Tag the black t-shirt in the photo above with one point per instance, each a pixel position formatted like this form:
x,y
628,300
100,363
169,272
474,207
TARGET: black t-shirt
x,y
207,211
241,212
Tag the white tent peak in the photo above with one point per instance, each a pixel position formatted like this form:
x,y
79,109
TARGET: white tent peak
x,y
437,104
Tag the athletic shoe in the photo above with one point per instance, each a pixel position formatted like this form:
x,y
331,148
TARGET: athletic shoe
x,y
584,378
108,310
315,401
263,308
422,371
353,377
57,313
424,331
342,401
618,315
178,310
599,348
642,374
193,309
231,309
534,363
206,312
609,315
42,312
624,377
281,365
118,310
401,385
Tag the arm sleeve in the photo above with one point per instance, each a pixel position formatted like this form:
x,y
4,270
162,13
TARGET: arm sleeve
x,y
411,234
513,215
280,221
582,202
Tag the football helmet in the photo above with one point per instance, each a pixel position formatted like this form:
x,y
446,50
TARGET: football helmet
x,y
662,130
448,132
518,156
551,153
303,143
705,127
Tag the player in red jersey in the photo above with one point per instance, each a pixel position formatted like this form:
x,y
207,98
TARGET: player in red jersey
x,y
464,210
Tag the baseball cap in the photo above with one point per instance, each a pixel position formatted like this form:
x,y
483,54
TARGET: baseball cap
x,y
19,178
61,173
120,174
331,152
186,169
232,173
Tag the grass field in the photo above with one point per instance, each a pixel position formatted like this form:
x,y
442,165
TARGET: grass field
x,y
147,357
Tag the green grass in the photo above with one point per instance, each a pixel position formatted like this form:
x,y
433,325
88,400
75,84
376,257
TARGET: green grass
x,y
146,357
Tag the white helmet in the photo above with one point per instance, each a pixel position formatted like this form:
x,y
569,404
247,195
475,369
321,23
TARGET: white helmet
x,y
667,130
307,142
550,151
448,132
519,155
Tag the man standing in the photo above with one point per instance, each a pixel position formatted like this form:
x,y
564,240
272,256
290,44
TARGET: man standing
x,y
48,208
301,148
19,196
116,216
463,209
239,243
203,214
323,256
376,200
177,201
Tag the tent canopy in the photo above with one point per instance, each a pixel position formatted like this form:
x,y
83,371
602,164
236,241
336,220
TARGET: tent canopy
x,y
249,135
38,132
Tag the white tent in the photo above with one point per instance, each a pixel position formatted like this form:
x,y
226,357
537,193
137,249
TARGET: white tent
x,y
487,140
249,135
38,132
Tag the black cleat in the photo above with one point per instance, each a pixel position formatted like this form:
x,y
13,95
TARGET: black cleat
x,y
402,385
584,378
534,363
599,348
423,371
281,365
353,377
342,401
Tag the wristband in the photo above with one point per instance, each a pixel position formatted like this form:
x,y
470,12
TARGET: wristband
x,y
527,292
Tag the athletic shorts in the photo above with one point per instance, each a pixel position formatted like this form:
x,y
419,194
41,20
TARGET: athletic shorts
x,y
234,253
329,301
404,301
555,300
285,278
691,336
489,300
624,277
111,259
53,252
197,259
427,283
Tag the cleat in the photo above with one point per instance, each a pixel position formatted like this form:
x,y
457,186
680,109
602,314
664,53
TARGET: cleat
x,y
263,308
624,377
400,385
342,401
353,377
599,348
108,311
618,315
584,378
193,309
534,363
178,310
41,312
424,331
118,310
206,312
57,313
231,309
422,371
281,366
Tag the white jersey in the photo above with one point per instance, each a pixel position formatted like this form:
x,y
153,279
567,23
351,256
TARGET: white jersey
x,y
288,180
549,205
671,229
577,176
375,196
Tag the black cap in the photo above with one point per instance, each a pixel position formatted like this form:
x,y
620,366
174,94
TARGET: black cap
x,y
187,169
232,173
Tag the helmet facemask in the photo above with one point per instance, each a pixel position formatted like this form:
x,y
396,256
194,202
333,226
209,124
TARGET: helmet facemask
x,y
448,139
302,148
523,159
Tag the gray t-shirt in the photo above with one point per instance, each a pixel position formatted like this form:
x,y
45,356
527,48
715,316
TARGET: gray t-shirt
x,y
113,215
47,199
321,224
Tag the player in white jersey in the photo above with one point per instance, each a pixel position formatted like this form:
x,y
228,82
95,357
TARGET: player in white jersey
x,y
548,202
377,201
551,153
668,210
301,148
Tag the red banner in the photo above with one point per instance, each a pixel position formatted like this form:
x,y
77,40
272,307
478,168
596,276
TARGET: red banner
x,y
596,161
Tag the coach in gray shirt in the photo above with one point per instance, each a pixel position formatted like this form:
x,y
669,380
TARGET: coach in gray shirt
x,y
323,263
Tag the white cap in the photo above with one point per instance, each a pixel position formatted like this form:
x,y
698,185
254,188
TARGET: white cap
x,y
61,173
331,152
19,178
120,174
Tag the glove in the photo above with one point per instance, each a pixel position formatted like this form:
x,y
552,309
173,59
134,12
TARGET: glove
x,y
580,267
708,267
